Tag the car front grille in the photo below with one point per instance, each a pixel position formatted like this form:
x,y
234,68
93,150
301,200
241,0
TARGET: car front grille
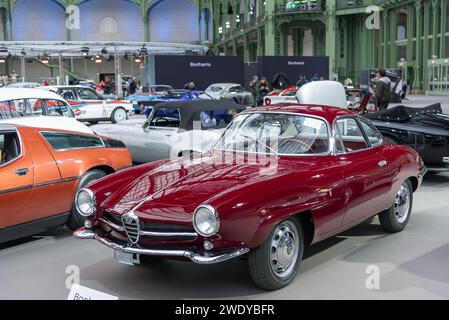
x,y
131,224
136,229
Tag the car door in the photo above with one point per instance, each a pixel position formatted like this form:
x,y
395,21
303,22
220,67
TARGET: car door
x,y
92,106
16,176
362,166
154,142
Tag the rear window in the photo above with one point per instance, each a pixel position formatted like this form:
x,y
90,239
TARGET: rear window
x,y
68,141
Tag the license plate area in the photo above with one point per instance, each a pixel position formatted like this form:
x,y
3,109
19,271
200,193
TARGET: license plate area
x,y
129,259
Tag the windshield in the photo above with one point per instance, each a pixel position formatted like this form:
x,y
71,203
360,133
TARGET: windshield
x,y
214,89
281,133
34,107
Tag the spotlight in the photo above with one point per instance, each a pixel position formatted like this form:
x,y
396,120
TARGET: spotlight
x,y
143,50
137,59
104,51
23,52
85,51
98,59
2,60
111,57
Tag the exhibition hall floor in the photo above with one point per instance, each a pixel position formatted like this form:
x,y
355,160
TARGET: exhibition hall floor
x,y
412,264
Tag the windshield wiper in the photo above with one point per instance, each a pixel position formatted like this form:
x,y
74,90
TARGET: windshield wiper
x,y
261,143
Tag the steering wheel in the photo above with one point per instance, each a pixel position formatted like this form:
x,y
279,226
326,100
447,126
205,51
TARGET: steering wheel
x,y
305,145
162,119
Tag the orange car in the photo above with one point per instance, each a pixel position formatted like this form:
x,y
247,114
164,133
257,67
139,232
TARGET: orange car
x,y
40,172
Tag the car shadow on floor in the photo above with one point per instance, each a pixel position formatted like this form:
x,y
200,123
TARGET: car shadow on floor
x,y
168,279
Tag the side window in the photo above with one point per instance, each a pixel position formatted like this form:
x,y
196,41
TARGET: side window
x,y
67,141
67,94
165,117
374,137
86,94
217,119
234,89
9,147
350,134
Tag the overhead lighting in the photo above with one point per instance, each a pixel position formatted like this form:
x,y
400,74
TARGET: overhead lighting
x,y
143,50
104,51
137,59
237,19
98,59
220,30
85,51
228,25
23,52
45,59
2,60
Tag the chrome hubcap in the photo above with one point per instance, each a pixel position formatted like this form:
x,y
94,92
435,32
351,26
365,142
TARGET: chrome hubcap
x,y
120,115
402,204
284,249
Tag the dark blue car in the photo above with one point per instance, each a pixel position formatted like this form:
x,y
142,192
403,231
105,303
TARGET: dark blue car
x,y
177,95
142,99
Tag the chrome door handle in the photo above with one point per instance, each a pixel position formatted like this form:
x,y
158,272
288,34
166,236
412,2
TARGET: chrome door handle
x,y
382,163
22,172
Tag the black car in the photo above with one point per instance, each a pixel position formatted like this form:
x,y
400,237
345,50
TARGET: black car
x,y
424,129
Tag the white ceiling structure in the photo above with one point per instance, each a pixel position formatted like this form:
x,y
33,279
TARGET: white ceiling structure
x,y
33,49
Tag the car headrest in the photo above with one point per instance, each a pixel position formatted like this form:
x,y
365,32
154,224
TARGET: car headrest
x,y
324,93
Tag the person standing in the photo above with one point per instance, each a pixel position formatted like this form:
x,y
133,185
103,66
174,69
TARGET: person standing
x,y
383,90
133,87
302,81
255,88
263,90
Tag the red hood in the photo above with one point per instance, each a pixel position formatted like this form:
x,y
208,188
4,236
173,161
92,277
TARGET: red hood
x,y
173,191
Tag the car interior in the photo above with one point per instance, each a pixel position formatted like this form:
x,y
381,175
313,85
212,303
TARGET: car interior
x,y
9,147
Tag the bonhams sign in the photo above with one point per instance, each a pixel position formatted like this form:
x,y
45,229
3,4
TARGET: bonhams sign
x,y
200,65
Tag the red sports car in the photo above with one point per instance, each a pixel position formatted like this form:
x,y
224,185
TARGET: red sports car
x,y
279,179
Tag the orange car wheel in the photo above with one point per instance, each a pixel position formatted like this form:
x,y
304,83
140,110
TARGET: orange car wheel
x,y
76,220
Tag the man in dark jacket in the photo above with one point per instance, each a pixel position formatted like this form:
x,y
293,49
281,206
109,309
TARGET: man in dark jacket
x,y
383,90
255,88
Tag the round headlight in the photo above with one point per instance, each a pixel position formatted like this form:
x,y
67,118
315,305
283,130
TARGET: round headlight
x,y
206,221
85,202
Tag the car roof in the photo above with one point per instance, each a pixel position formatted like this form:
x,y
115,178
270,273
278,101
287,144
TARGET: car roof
x,y
223,84
8,94
191,108
48,122
7,127
325,112
67,87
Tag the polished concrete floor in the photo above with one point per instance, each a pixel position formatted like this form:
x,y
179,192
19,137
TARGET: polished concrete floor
x,y
413,264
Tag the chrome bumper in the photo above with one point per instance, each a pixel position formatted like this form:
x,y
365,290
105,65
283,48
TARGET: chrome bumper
x,y
193,256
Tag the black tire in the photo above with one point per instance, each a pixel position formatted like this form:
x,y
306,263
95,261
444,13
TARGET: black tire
x,y
76,220
114,113
261,264
396,218
93,122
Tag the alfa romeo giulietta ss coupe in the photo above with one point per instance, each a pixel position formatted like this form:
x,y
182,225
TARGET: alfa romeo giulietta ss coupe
x,y
279,179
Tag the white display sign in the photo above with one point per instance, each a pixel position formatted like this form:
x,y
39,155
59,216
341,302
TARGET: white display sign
x,y
83,293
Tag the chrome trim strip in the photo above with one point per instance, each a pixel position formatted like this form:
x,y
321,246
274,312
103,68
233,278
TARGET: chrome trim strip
x,y
169,234
193,256
112,225
44,184
151,233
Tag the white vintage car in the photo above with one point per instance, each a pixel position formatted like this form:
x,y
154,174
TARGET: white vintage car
x,y
38,108
92,107
173,129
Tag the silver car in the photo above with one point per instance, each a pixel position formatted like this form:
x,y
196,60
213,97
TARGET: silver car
x,y
173,129
232,92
